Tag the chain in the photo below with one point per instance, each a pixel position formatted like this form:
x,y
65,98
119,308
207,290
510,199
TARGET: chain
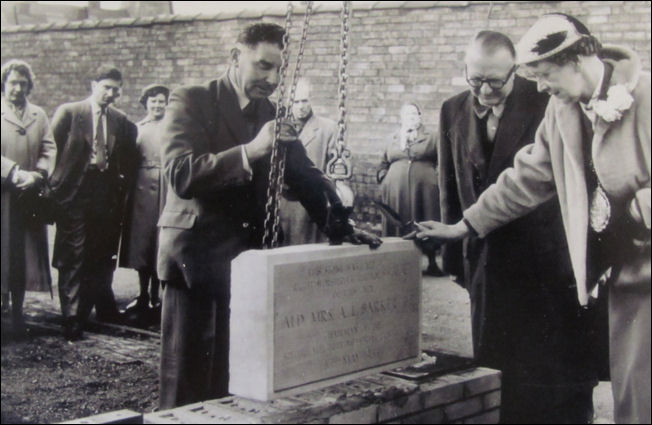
x,y
272,191
340,145
288,111
277,159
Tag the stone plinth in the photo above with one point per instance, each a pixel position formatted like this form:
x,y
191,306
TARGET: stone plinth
x,y
469,396
308,316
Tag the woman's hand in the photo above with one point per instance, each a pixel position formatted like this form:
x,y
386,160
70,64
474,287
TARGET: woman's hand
x,y
26,179
439,231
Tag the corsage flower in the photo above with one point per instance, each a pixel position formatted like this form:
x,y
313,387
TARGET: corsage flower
x,y
617,102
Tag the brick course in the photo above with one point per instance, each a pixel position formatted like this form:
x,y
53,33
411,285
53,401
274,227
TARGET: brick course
x,y
400,51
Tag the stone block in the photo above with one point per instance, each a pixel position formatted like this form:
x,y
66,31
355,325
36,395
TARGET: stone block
x,y
307,317
432,416
399,407
480,380
442,391
363,415
463,409
491,417
492,400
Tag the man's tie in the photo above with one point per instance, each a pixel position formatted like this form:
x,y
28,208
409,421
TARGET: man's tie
x,y
101,153
249,114
492,125
493,115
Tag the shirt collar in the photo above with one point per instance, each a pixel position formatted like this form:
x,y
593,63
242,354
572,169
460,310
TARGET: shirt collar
x,y
95,108
481,111
243,100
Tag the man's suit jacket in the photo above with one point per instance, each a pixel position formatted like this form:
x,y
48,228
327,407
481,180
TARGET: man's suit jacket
x,y
72,126
465,173
318,136
214,207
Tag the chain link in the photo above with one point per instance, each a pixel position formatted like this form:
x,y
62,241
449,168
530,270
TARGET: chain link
x,y
277,165
272,197
282,150
340,151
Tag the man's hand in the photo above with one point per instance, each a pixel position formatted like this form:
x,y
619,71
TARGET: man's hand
x,y
262,144
439,231
360,237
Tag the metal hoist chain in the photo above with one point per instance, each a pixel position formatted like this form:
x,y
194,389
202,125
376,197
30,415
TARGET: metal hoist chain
x,y
337,166
277,160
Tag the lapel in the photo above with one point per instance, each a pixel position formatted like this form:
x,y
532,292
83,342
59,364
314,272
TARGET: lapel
x,y
515,121
111,128
309,131
85,121
467,135
601,126
229,109
570,128
572,189
29,116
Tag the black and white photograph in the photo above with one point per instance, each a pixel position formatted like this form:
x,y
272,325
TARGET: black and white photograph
x,y
326,212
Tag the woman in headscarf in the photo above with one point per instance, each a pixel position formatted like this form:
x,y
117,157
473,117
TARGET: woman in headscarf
x,y
408,177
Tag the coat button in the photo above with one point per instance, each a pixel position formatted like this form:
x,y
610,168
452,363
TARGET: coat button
x,y
245,224
21,131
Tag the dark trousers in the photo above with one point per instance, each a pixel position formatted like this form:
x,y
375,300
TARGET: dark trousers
x,y
194,345
85,248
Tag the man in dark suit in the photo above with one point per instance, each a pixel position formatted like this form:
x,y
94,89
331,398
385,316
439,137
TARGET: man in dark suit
x,y
96,145
525,317
216,140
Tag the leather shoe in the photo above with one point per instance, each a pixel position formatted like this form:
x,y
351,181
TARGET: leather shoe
x,y
433,270
73,330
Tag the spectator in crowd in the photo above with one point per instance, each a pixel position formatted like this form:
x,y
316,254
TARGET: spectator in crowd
x,y
140,234
215,156
95,167
28,157
318,135
541,342
408,177
592,150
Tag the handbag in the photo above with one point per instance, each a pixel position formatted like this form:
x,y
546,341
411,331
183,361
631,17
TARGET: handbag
x,y
37,204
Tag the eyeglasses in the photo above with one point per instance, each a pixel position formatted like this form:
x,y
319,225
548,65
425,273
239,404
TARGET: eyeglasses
x,y
494,83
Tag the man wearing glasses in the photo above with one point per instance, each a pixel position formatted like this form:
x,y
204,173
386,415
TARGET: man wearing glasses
x,y
525,317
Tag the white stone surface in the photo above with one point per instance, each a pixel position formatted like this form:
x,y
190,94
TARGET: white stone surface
x,y
308,316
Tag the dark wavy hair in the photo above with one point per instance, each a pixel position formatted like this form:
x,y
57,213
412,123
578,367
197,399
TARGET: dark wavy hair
x,y
20,67
106,72
152,92
262,32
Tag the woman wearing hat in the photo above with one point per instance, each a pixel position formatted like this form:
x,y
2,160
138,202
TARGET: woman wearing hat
x,y
592,150
139,245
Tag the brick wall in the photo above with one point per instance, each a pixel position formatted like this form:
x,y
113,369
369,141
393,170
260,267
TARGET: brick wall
x,y
400,51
